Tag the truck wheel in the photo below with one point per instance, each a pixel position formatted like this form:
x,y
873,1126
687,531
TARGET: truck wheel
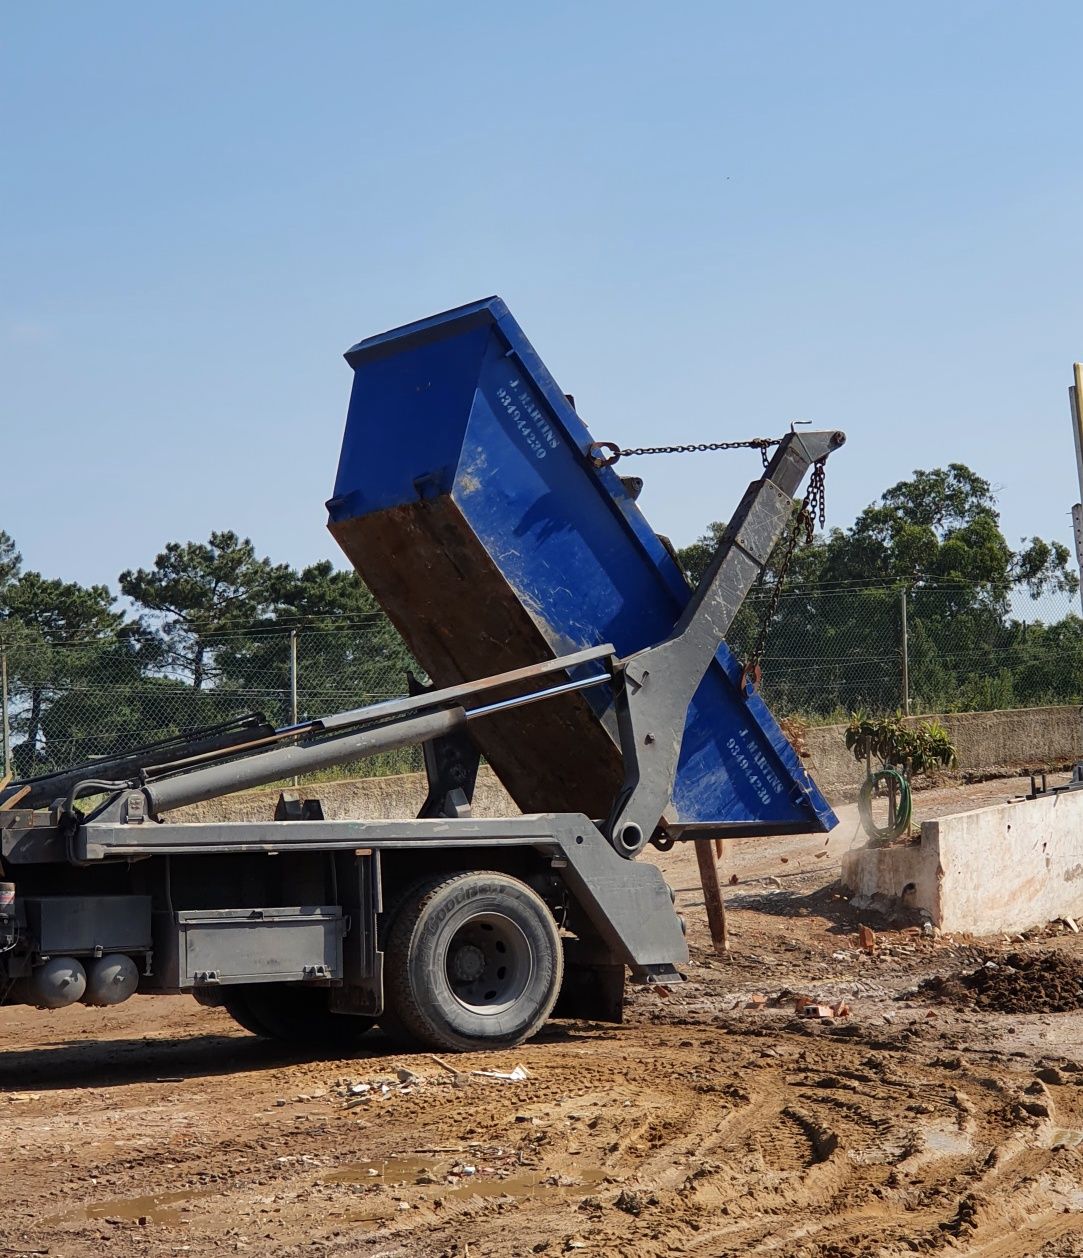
x,y
473,960
294,1015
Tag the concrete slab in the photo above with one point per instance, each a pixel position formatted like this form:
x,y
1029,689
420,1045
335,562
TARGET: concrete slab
x,y
998,869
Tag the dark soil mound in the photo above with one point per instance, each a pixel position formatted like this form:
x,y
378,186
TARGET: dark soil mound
x,y
1044,982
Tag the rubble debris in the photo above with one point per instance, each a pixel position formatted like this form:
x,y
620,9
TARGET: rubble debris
x,y
866,938
1050,1074
514,1075
365,1090
1041,982
633,1202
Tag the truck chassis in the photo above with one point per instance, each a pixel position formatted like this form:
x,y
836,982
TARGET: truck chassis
x,y
450,930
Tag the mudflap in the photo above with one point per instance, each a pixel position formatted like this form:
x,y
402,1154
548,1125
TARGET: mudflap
x,y
593,987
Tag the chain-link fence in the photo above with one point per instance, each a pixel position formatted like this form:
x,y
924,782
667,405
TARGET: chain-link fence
x,y
926,647
69,702
831,649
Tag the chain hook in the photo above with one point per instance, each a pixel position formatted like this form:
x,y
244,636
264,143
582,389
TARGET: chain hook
x,y
600,458
604,460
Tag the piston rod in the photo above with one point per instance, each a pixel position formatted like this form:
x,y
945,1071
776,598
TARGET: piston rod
x,y
270,766
284,762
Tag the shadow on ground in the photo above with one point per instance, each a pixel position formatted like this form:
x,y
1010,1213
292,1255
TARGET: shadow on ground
x,y
828,903
88,1063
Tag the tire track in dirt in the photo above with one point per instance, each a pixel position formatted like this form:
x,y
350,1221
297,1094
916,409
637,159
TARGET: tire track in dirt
x,y
702,1137
691,1147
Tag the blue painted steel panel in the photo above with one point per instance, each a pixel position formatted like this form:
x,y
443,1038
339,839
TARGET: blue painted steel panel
x,y
459,410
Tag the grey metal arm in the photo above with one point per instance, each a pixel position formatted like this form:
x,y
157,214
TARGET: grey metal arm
x,y
659,682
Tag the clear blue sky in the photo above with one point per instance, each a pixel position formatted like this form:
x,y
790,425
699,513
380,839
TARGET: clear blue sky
x,y
710,218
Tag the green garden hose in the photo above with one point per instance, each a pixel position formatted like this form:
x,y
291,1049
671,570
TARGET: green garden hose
x,y
891,778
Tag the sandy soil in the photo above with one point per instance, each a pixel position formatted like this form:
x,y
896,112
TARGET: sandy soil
x,y
705,1125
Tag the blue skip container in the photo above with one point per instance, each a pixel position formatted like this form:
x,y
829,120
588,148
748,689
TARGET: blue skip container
x,y
468,502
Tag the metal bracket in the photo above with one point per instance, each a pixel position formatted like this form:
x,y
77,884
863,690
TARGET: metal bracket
x,y
451,767
656,685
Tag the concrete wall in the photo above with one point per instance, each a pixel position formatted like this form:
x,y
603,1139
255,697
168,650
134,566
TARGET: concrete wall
x,y
997,869
990,743
996,744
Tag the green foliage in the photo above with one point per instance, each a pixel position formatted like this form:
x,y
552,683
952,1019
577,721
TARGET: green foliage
x,y
898,744
347,648
211,641
48,627
196,591
935,539
11,561
210,635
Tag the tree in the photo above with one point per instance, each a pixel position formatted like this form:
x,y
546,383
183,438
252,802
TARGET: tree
x,y
53,632
347,648
198,591
834,642
943,526
11,562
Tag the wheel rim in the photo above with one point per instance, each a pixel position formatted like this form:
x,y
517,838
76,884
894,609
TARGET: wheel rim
x,y
489,964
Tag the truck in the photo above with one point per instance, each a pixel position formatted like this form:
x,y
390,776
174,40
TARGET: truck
x,y
560,642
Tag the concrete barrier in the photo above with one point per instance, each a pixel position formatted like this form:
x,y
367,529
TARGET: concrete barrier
x,y
1004,868
992,744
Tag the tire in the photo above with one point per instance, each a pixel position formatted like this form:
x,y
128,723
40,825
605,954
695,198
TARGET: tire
x,y
472,961
237,1008
294,1015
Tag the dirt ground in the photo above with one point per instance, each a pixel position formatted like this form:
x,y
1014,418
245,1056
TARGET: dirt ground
x,y
713,1122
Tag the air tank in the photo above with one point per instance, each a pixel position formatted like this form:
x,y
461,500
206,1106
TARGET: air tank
x,y
58,982
110,979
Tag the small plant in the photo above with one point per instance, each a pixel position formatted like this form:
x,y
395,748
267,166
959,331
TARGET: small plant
x,y
912,749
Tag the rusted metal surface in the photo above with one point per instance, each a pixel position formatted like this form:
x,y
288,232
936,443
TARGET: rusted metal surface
x,y
461,620
467,690
12,800
712,896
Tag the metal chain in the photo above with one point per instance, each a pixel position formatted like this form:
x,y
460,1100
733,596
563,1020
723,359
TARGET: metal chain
x,y
600,459
813,509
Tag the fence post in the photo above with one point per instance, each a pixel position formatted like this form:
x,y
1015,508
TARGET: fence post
x,y
4,704
1075,397
293,686
293,677
905,644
